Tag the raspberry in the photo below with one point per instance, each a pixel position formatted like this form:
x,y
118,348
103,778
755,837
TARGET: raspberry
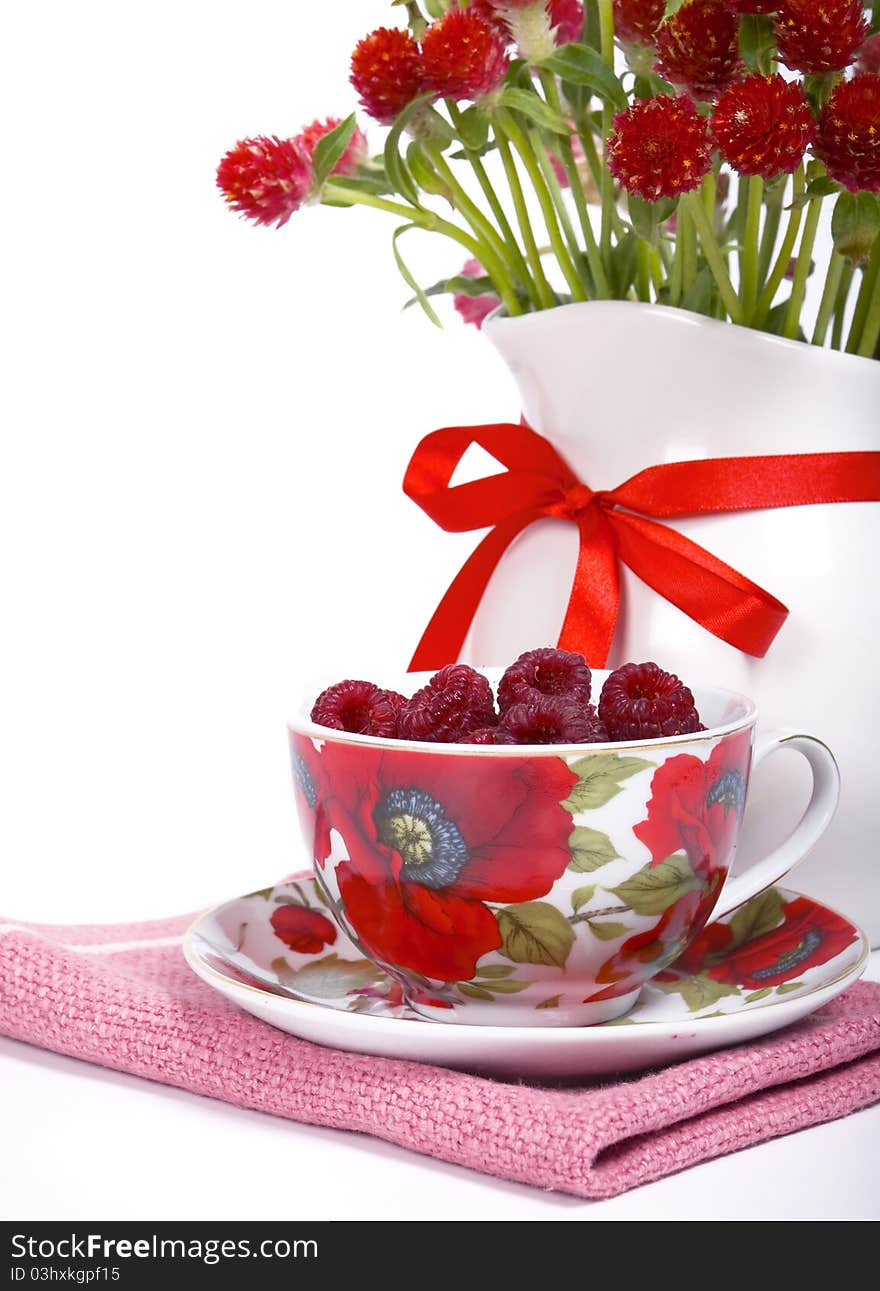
x,y
549,719
598,731
545,672
642,702
482,735
456,701
359,707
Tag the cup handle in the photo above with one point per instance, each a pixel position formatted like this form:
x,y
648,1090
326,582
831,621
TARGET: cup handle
x,y
812,825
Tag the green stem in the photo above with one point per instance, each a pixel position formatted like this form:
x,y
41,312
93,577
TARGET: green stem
x,y
714,258
514,253
523,146
676,270
777,273
871,330
829,295
565,223
463,202
643,270
867,304
686,231
594,258
840,304
546,297
748,287
802,269
434,223
606,41
774,196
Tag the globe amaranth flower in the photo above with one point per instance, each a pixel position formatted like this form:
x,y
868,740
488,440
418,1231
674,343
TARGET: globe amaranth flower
x,y
355,153
304,930
386,71
762,125
817,36
848,135
463,57
660,147
868,57
698,48
538,27
266,178
636,21
430,839
753,6
474,309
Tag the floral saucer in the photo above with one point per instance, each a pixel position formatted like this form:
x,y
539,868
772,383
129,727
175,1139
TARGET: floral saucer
x,y
279,956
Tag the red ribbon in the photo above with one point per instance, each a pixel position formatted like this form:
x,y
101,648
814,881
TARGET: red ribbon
x,y
614,528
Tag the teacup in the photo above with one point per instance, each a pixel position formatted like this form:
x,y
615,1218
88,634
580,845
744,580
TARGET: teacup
x,y
539,885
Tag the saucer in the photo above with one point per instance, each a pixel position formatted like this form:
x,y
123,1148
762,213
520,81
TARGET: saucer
x,y
278,954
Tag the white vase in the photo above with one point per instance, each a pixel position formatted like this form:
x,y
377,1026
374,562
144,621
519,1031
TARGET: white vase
x,y
619,386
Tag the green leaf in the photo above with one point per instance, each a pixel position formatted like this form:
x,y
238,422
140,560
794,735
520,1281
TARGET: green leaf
x,y
581,896
535,932
585,66
607,931
327,978
396,169
330,148
656,887
788,986
473,128
647,216
408,278
757,42
475,992
528,103
855,225
424,174
552,1003
590,850
374,182
698,297
491,971
505,988
698,992
599,777
624,262
762,914
759,995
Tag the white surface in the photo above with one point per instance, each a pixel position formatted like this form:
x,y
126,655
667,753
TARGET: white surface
x,y
180,546
90,1144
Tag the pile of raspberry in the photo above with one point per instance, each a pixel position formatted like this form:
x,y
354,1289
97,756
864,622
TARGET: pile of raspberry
x,y
543,698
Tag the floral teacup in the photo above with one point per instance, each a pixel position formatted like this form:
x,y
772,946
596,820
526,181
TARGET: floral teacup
x,y
539,885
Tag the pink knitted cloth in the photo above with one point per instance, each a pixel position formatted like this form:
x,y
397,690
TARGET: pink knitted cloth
x,y
124,997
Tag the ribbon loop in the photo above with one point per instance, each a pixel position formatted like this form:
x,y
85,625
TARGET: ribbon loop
x,y
539,483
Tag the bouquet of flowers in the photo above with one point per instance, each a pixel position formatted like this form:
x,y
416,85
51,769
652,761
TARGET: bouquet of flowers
x,y
680,153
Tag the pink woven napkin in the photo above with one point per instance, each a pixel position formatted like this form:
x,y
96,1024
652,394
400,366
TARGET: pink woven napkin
x,y
122,996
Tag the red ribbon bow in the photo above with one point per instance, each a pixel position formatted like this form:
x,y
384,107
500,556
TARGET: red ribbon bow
x,y
614,528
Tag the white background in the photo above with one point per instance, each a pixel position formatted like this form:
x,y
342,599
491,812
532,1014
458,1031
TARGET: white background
x,y
205,426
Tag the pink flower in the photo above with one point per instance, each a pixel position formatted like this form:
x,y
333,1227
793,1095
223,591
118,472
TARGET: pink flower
x,y
266,178
474,309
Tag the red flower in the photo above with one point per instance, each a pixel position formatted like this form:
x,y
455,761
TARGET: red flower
x,y
753,6
660,945
474,309
762,125
567,20
808,935
636,21
463,56
310,786
696,806
698,48
386,71
868,59
660,147
848,136
265,178
814,37
304,930
355,154
431,838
